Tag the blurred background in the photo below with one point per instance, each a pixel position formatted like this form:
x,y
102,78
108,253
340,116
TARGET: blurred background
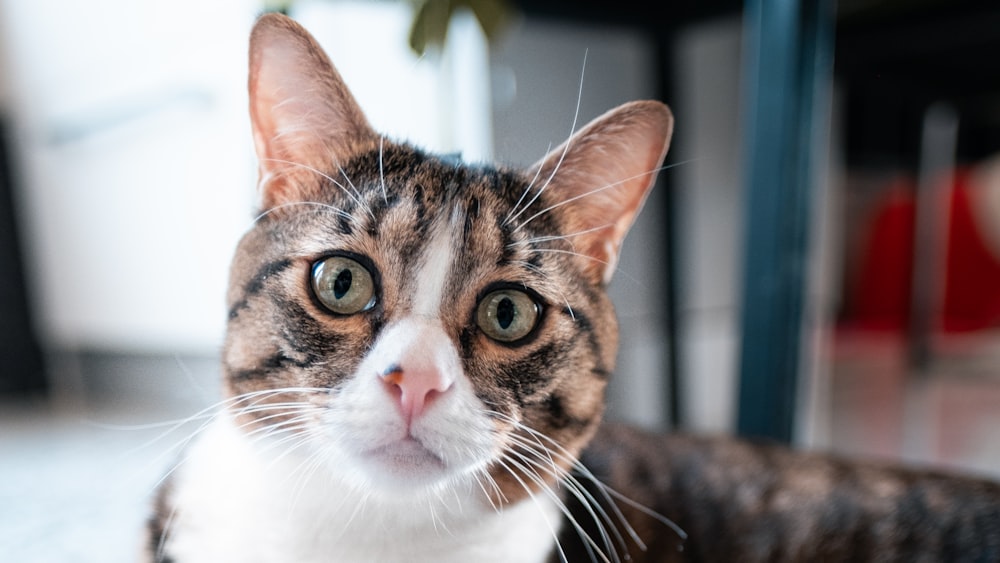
x,y
127,176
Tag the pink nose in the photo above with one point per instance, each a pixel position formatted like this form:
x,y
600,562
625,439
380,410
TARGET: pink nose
x,y
415,388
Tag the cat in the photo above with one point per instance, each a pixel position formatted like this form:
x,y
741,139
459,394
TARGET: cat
x,y
415,362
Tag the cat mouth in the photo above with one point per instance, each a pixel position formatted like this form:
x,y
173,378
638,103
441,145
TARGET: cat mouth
x,y
407,461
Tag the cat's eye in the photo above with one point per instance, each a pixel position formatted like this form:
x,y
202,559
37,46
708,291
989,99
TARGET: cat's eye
x,y
343,285
507,315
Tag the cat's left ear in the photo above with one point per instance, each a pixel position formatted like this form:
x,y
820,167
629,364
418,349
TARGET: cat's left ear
x,y
305,120
603,174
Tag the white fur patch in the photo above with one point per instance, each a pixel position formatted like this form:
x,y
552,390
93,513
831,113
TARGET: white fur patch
x,y
435,267
241,504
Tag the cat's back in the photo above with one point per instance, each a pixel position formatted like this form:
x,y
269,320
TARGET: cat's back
x,y
743,501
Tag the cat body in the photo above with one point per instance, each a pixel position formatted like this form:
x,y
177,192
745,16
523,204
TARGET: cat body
x,y
755,501
416,357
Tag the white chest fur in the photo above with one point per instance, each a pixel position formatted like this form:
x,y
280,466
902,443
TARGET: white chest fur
x,y
233,504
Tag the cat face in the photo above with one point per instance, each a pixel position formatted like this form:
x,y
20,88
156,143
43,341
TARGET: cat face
x,y
410,323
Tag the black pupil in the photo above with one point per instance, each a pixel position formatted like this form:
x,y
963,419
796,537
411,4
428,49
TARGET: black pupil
x,y
342,284
505,312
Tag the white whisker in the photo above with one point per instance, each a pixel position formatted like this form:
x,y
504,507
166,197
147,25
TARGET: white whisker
x,y
566,146
305,471
542,452
596,191
533,476
354,188
321,174
209,414
568,238
165,534
479,476
340,212
503,462
381,169
550,451
539,271
643,508
559,475
561,452
608,493
597,512
526,191
571,253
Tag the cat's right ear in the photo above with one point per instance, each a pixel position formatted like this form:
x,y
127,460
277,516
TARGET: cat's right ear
x,y
305,121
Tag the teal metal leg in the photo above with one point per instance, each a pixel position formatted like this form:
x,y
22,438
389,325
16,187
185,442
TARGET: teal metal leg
x,y
788,49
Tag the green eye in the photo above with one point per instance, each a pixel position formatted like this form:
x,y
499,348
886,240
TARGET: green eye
x,y
507,315
343,285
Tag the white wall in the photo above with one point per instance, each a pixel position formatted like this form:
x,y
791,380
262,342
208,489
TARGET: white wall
x,y
5,71
710,194
136,164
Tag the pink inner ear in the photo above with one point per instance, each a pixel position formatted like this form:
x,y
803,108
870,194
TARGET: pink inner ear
x,y
604,174
304,118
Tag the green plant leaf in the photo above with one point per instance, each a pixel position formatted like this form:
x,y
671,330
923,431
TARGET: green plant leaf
x,y
431,19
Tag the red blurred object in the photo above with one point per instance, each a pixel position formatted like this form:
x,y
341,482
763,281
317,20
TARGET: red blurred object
x,y
878,299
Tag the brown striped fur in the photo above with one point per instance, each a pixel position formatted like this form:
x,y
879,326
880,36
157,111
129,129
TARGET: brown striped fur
x,y
758,502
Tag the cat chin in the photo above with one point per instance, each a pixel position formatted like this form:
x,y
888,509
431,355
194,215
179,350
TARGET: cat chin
x,y
404,465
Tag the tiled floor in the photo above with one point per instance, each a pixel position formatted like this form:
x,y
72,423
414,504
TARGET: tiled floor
x,y
76,474
946,416
70,490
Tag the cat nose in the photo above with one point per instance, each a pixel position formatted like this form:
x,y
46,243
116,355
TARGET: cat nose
x,y
415,387
416,362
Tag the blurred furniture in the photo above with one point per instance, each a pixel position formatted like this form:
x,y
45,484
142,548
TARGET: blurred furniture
x,y
786,138
21,367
